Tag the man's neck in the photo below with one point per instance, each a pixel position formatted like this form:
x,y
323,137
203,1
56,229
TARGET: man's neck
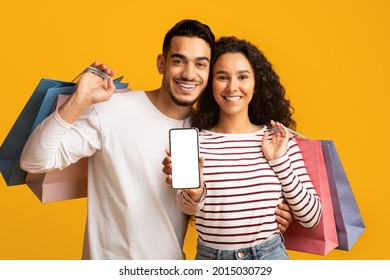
x,y
166,106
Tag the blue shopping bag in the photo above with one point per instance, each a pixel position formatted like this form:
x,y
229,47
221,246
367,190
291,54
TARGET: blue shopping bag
x,y
349,221
37,108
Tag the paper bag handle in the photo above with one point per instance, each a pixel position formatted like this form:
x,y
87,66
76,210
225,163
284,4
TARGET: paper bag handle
x,y
93,70
276,129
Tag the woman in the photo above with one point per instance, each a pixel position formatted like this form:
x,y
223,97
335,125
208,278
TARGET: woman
x,y
250,161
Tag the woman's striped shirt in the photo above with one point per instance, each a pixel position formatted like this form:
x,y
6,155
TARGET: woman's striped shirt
x,y
244,189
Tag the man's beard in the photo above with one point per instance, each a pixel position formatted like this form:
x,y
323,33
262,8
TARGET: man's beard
x,y
181,102
176,100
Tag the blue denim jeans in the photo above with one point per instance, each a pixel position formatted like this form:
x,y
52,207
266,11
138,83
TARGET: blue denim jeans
x,y
271,249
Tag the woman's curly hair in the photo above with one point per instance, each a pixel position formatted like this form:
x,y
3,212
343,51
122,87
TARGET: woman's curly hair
x,y
268,101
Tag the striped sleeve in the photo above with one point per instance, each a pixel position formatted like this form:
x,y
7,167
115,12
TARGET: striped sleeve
x,y
187,205
297,187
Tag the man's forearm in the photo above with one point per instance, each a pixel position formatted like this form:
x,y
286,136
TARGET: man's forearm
x,y
71,110
41,150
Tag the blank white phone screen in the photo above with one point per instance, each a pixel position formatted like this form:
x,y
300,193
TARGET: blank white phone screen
x,y
184,146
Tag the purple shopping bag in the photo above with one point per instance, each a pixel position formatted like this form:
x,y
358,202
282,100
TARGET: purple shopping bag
x,y
349,221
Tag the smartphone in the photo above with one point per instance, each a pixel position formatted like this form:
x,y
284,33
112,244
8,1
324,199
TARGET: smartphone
x,y
98,72
184,147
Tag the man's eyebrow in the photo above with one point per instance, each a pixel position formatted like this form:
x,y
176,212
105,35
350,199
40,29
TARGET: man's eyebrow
x,y
178,55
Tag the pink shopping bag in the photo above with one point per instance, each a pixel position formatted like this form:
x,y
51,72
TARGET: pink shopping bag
x,y
323,238
57,185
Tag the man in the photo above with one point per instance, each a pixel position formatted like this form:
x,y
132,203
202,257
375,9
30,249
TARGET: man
x,y
131,212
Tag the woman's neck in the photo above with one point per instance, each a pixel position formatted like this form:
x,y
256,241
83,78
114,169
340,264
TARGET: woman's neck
x,y
235,125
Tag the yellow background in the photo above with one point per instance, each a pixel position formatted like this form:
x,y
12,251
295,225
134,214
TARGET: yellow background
x,y
332,56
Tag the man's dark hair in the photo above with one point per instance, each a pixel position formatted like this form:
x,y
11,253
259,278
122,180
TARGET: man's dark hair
x,y
189,28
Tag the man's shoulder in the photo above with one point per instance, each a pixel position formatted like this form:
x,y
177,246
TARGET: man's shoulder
x,y
122,95
121,99
126,93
